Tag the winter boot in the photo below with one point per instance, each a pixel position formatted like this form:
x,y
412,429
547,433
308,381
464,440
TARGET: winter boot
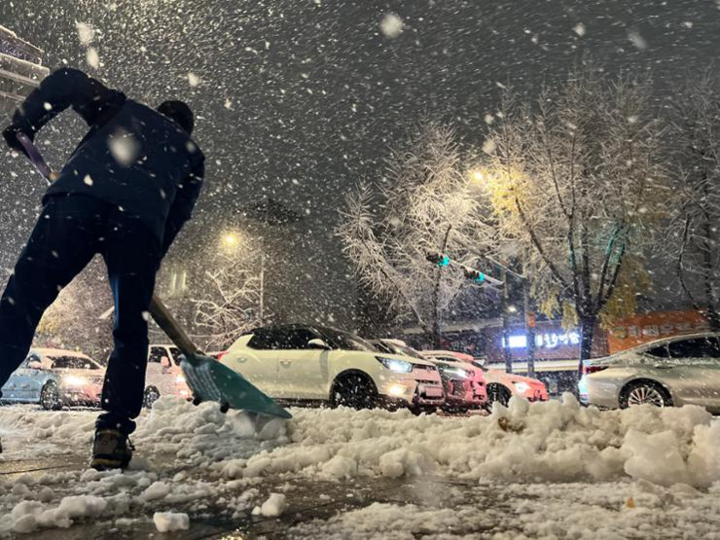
x,y
111,450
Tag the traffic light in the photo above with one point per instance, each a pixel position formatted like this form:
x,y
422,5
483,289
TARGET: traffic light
x,y
437,258
479,277
475,275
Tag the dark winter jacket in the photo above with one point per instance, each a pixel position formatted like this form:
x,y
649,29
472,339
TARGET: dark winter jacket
x,y
133,156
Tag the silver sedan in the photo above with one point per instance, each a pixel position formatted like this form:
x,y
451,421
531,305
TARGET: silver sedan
x,y
683,370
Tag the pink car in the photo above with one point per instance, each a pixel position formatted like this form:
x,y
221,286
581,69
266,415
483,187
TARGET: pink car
x,y
464,385
501,386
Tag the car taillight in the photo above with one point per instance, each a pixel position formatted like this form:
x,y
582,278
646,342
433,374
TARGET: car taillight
x,y
220,355
587,370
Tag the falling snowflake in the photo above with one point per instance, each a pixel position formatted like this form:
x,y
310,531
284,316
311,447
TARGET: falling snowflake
x,y
193,80
579,29
86,33
488,146
88,181
391,25
124,148
637,40
92,57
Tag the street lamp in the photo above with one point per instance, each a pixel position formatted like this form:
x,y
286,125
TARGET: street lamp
x,y
230,240
477,175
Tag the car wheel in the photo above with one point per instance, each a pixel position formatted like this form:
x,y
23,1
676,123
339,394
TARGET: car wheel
x,y
355,391
152,394
644,393
499,393
50,397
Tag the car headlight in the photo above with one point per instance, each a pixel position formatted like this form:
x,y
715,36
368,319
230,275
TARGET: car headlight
x,y
399,366
457,372
180,379
73,380
521,386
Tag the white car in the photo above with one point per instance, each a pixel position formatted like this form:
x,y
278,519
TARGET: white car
x,y
55,378
308,363
164,377
675,371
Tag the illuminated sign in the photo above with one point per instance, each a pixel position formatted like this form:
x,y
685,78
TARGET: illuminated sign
x,y
545,340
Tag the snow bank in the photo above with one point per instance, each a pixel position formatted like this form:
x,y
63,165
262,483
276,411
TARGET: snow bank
x,y
190,455
553,441
169,521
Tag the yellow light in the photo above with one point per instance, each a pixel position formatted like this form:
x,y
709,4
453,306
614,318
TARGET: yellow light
x,y
229,239
478,176
396,390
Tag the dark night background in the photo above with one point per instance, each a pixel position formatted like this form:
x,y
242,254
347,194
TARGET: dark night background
x,y
299,99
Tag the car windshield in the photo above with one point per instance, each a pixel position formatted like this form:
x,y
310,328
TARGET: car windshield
x,y
72,362
407,351
349,342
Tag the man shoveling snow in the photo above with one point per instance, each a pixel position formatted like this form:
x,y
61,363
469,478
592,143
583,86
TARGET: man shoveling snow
x,y
125,193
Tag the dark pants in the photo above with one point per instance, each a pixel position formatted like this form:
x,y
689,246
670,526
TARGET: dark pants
x,y
71,230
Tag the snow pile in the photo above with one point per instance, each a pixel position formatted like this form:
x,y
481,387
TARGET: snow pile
x,y
557,441
30,515
169,522
273,507
553,441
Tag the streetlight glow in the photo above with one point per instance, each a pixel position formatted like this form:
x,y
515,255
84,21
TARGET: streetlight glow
x,y
230,240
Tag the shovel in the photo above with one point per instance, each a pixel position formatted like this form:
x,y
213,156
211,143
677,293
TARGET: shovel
x,y
208,379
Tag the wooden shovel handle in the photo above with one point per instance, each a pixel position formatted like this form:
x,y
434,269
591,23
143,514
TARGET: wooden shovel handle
x,y
170,326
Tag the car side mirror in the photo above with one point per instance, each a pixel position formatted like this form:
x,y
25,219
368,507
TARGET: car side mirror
x,y
35,365
318,343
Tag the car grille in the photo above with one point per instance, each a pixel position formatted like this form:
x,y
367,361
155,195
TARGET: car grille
x,y
419,367
425,381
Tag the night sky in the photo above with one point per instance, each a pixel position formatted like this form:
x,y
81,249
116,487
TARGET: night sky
x,y
299,99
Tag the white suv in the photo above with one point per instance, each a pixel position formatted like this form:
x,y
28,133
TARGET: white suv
x,y
164,377
299,363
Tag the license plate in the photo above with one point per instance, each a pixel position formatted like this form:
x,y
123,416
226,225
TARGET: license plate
x,y
431,391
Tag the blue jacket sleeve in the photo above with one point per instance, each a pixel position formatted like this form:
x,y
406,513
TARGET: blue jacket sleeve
x,y
185,199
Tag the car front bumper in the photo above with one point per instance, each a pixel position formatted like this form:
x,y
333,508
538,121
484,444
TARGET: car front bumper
x,y
80,396
412,393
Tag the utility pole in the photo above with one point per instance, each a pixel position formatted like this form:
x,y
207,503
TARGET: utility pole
x,y
507,353
529,329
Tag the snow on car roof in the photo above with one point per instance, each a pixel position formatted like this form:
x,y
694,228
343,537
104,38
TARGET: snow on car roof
x,y
58,352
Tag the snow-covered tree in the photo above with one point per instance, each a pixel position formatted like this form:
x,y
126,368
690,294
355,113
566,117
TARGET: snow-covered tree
x,y
228,295
695,227
577,183
423,204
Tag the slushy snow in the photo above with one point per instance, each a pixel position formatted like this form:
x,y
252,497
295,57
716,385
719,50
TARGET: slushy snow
x,y
646,463
169,521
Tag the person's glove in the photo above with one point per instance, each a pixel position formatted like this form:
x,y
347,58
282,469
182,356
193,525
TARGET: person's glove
x,y
10,134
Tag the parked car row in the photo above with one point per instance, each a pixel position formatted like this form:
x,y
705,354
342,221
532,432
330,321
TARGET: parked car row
x,y
56,378
315,364
294,364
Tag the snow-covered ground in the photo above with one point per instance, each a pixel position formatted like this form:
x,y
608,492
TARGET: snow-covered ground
x,y
557,470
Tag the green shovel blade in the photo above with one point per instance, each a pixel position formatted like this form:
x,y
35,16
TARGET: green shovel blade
x,y
210,380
